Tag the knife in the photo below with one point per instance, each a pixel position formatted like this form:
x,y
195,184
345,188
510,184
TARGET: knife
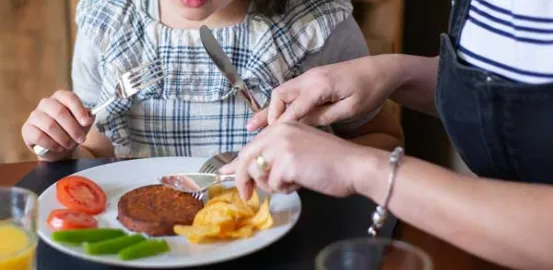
x,y
224,65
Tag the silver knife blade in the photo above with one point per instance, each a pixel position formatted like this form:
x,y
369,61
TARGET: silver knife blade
x,y
224,65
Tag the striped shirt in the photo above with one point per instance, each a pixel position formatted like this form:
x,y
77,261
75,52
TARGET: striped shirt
x,y
511,38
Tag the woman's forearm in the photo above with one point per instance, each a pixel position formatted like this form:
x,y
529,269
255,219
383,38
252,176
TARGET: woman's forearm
x,y
418,78
383,131
505,222
377,140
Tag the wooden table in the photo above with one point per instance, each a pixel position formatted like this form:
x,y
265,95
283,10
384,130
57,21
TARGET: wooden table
x,y
444,255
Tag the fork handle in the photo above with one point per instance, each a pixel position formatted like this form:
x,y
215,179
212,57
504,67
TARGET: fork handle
x,y
100,107
40,151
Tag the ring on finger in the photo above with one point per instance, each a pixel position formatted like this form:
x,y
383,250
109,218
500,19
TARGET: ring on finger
x,y
262,163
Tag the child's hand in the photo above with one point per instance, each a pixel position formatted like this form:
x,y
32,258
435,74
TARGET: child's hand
x,y
59,123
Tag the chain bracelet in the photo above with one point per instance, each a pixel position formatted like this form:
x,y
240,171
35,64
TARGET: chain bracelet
x,y
380,215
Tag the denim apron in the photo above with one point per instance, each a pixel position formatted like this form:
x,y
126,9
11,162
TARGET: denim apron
x,y
501,128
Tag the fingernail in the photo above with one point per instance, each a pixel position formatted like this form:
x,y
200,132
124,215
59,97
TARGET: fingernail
x,y
81,139
83,121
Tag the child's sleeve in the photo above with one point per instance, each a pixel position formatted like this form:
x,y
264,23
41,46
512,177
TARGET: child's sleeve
x,y
346,42
85,73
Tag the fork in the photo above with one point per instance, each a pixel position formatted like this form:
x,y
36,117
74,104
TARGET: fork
x,y
213,164
130,83
195,184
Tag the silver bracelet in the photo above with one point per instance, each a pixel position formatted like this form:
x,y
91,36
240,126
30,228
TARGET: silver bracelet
x,y
380,215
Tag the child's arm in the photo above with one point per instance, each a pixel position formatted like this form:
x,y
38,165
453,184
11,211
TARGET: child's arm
x,y
61,123
96,145
87,83
382,131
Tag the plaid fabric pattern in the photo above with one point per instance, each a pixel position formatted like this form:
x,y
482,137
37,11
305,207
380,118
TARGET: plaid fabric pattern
x,y
194,111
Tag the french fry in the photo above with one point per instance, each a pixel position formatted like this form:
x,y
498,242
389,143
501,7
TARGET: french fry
x,y
225,216
262,216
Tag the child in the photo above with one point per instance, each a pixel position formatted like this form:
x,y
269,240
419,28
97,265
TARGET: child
x,y
193,111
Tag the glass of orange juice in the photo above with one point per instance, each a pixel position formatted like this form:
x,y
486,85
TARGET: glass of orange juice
x,y
18,237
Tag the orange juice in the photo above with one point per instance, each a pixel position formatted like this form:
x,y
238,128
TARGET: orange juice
x,y
17,249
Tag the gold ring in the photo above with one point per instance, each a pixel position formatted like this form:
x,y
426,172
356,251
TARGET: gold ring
x,y
262,163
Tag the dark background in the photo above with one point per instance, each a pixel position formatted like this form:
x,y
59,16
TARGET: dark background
x,y
424,135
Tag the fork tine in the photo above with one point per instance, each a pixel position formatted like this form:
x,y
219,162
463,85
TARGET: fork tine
x,y
150,82
205,168
213,169
198,195
206,164
136,76
213,163
208,167
141,67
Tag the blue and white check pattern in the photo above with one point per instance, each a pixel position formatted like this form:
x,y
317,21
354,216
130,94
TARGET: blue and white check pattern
x,y
194,111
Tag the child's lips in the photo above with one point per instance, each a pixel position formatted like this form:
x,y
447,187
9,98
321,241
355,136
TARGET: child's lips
x,y
194,3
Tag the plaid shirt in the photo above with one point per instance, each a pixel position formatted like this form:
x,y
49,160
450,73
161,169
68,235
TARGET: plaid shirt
x,y
194,111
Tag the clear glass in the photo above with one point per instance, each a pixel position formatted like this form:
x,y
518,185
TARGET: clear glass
x,y
18,234
372,254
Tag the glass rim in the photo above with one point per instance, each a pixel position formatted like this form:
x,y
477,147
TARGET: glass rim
x,y
20,190
420,253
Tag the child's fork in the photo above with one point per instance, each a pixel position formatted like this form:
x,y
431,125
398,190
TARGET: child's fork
x,y
213,164
130,83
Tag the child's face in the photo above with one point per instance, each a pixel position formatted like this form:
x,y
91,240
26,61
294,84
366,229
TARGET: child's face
x,y
198,10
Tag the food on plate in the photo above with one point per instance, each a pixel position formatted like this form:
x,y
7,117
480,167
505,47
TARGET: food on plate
x,y
80,236
112,246
155,209
144,249
226,216
112,241
67,219
81,194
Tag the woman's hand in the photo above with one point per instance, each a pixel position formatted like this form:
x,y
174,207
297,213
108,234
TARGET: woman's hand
x,y
299,155
332,93
59,123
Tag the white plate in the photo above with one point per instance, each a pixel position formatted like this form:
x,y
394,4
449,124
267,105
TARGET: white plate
x,y
118,178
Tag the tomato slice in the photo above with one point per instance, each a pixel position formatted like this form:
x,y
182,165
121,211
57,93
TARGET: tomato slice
x,y
81,194
67,219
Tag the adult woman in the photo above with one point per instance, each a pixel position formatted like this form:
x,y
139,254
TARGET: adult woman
x,y
493,93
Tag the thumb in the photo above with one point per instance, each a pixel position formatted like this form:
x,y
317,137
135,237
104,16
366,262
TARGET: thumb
x,y
298,109
259,120
285,94
229,168
328,114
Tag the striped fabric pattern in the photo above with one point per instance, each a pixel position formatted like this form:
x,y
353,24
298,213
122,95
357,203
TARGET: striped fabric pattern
x,y
194,111
511,38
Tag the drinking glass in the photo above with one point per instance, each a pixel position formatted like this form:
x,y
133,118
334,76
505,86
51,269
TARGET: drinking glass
x,y
372,254
18,237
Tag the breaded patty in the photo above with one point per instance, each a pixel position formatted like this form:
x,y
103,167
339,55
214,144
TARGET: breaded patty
x,y
155,209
